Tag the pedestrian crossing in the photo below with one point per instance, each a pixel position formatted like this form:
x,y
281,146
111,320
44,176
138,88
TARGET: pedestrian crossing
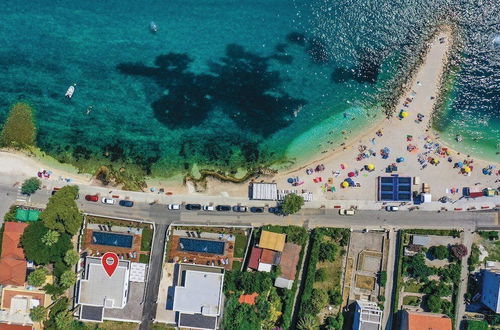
x,y
21,198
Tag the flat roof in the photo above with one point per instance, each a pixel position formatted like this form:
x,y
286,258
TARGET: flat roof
x,y
99,289
92,313
200,293
197,321
264,191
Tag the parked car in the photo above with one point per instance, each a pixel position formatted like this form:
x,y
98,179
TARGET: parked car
x,y
346,212
257,209
126,203
239,208
223,208
392,208
193,207
208,208
274,210
173,206
92,198
109,201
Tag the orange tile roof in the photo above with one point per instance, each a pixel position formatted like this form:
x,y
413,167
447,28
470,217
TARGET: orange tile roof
x,y
248,298
10,293
289,260
273,241
428,321
11,243
12,271
267,256
5,326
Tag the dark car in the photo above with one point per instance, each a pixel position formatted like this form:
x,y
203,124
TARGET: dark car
x,y
274,210
126,203
223,208
193,207
239,208
92,198
257,209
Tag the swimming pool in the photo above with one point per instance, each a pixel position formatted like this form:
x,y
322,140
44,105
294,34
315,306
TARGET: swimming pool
x,y
112,239
201,245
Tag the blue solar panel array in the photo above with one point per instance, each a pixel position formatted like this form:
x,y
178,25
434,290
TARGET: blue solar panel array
x,y
394,188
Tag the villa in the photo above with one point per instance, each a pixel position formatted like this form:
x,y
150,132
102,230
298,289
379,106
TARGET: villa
x,y
17,302
13,264
421,320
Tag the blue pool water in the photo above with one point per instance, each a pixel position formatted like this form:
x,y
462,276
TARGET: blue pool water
x,y
112,239
201,245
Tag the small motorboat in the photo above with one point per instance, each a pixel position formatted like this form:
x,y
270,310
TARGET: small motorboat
x,y
153,27
459,138
70,91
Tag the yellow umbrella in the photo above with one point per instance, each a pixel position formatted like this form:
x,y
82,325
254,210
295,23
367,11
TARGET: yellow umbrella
x,y
467,169
370,167
404,114
345,184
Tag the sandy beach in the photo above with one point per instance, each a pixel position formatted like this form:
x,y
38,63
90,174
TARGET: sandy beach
x,y
406,136
397,134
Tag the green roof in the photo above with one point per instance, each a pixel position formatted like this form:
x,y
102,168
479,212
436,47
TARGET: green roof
x,y
27,215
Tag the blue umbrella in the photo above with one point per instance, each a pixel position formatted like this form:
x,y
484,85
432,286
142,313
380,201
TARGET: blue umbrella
x,y
460,164
290,180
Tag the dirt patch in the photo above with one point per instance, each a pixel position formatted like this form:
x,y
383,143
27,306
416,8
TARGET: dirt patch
x,y
365,282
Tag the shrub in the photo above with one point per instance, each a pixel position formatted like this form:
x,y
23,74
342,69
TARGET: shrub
x,y
476,325
37,277
491,235
434,303
292,204
382,278
439,252
327,251
30,186
320,275
459,251
335,323
473,260
19,129
308,322
334,297
319,301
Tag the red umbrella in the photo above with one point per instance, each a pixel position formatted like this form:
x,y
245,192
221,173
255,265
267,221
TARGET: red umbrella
x,y
351,174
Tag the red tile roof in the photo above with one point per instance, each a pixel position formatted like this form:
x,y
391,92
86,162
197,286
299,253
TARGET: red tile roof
x,y
289,260
255,258
248,298
268,256
11,243
12,261
428,321
8,294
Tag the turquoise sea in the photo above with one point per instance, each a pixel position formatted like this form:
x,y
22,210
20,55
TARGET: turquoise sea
x,y
232,83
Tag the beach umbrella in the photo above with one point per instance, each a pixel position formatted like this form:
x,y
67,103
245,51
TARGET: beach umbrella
x,y
403,114
467,169
400,159
460,164
351,174
345,184
290,180
370,167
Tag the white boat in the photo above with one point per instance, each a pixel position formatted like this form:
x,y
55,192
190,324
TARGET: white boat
x,y
153,27
70,91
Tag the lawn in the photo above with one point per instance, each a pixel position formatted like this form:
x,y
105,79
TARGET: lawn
x,y
236,265
146,239
112,325
144,258
411,300
333,273
365,282
240,245
493,249
413,286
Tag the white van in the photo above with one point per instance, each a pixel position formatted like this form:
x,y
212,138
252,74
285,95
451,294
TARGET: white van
x,y
346,212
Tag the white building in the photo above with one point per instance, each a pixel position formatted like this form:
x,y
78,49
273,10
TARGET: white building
x,y
367,316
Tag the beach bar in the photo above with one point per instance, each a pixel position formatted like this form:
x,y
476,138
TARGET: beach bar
x,y
264,191
394,188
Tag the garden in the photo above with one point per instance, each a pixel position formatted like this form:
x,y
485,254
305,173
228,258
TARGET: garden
x,y
428,276
321,291
273,307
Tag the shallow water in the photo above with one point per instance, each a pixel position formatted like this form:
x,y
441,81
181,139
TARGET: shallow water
x,y
230,83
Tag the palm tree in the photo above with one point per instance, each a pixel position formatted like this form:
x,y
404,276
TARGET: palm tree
x,y
308,322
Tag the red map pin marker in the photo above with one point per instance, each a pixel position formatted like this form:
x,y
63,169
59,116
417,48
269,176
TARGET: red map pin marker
x,y
109,262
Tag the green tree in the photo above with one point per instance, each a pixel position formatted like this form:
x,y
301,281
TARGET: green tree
x,y
308,322
382,278
64,320
51,237
434,303
319,300
328,251
38,314
334,297
37,251
292,203
415,267
71,257
30,186
440,252
37,277
335,323
67,279
62,212
19,129
477,325
320,275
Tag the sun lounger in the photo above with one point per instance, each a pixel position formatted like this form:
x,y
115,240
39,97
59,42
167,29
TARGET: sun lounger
x,y
188,234
109,227
199,235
